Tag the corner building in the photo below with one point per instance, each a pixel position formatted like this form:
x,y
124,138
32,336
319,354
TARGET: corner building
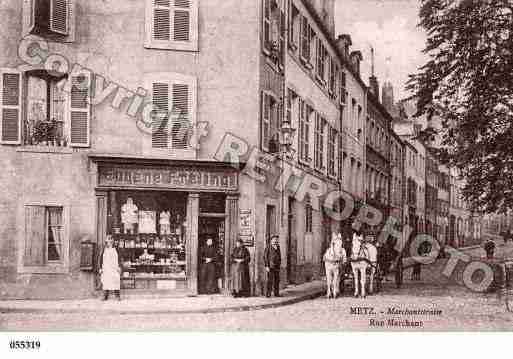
x,y
82,162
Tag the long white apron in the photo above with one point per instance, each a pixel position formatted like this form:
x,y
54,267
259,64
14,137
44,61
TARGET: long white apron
x,y
111,279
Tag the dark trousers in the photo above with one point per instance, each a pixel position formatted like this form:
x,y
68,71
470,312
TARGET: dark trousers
x,y
273,281
106,294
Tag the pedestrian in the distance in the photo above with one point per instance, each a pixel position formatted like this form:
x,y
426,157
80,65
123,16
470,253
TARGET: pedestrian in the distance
x,y
272,262
489,248
240,270
110,269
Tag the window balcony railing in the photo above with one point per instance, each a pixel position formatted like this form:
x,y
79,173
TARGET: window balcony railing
x,y
45,133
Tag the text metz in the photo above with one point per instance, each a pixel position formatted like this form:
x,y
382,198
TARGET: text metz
x,y
362,310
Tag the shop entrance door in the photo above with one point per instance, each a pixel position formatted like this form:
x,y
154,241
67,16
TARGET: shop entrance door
x,y
211,276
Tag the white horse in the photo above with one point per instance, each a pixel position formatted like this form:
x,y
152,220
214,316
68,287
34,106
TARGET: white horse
x,y
334,258
363,256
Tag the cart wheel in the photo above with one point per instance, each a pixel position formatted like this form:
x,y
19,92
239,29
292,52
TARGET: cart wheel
x,y
399,273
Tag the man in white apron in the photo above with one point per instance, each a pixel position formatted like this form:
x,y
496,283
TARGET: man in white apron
x,y
110,270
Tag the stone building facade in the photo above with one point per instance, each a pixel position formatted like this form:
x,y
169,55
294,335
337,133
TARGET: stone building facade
x,y
160,105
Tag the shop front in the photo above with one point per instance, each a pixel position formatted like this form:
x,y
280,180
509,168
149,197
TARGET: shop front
x,y
161,216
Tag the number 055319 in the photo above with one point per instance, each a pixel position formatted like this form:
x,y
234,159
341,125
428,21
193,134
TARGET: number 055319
x,y
25,344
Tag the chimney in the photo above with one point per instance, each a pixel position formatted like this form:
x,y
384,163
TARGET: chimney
x,y
355,58
373,80
343,44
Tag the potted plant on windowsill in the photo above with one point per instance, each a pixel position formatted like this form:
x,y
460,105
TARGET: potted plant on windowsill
x,y
47,133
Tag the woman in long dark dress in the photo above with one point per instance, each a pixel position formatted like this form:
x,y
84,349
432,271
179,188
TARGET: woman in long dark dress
x,y
208,274
240,270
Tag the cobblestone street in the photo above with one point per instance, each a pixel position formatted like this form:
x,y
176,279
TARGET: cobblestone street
x,y
459,308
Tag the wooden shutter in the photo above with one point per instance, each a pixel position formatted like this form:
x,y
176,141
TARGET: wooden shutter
x,y
342,87
160,116
182,20
162,20
80,110
317,140
266,120
59,10
10,107
28,17
181,128
305,39
35,236
266,24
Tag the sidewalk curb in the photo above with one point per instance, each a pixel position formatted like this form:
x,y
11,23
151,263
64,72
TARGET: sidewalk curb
x,y
242,308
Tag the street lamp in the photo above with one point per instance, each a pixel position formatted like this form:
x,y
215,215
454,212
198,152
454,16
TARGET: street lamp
x,y
287,134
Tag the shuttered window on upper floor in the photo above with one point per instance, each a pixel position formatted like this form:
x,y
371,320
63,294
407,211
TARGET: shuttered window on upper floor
x,y
173,117
172,24
51,110
51,19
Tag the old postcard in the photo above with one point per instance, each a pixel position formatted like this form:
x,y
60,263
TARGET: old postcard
x,y
254,165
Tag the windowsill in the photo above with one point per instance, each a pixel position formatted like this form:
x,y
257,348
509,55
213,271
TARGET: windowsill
x,y
49,269
170,45
45,149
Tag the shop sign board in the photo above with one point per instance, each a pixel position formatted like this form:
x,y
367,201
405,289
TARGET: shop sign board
x,y
175,177
245,227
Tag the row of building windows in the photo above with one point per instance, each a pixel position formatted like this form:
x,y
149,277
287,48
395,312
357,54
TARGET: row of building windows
x,y
377,137
312,51
56,110
170,24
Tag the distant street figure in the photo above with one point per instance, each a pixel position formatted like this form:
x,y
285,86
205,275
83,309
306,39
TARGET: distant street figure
x,y
240,270
272,262
334,258
489,248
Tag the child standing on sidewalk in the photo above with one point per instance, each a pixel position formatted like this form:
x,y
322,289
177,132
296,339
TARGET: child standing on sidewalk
x,y
110,269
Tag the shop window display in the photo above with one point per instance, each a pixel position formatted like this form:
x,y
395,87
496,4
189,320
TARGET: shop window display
x,y
149,229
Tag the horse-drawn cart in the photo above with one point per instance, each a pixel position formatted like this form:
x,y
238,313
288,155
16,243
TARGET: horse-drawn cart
x,y
388,263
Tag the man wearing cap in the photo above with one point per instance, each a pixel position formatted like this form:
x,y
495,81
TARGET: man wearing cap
x,y
272,262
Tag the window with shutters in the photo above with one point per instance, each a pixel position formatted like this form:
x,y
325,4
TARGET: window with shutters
x,y
305,113
172,24
343,92
294,26
274,24
173,118
51,19
334,70
45,243
305,40
320,132
321,61
52,111
270,123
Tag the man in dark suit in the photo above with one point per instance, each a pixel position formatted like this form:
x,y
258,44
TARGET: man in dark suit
x,y
272,262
